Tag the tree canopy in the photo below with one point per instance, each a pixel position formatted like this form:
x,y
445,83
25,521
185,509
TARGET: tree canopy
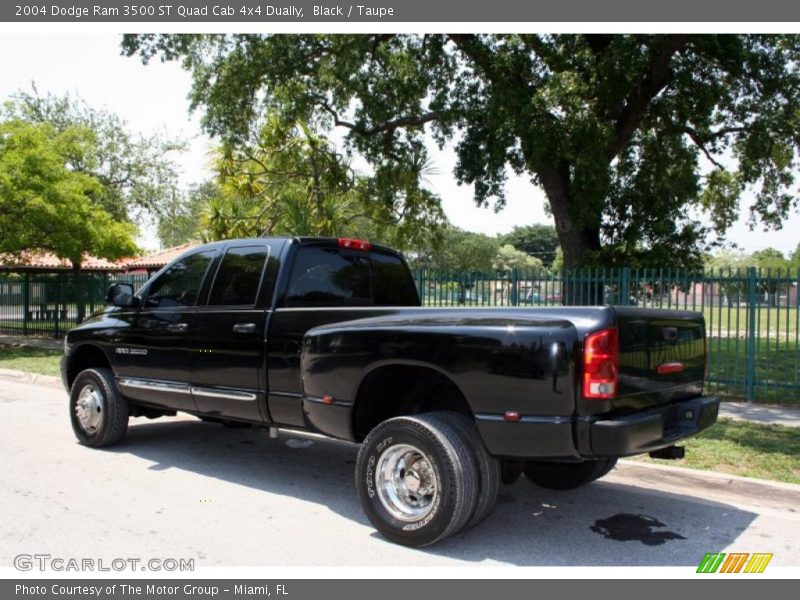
x,y
632,137
136,176
46,204
538,240
509,258
460,251
290,180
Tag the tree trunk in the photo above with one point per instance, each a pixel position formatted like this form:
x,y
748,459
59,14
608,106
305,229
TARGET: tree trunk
x,y
577,240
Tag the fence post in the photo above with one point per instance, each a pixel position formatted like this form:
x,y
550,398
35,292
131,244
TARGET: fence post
x,y
513,295
624,286
26,301
750,351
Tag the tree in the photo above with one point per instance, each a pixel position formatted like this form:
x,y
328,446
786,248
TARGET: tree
x,y
628,135
794,257
770,259
291,180
774,269
46,204
537,240
508,258
180,218
731,267
459,251
136,176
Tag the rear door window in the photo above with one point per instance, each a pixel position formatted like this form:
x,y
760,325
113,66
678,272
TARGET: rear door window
x,y
239,276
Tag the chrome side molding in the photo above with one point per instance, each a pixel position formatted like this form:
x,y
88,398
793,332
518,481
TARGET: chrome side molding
x,y
184,388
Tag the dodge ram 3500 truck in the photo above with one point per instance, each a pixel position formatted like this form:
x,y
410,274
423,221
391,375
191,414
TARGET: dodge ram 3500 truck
x,y
328,336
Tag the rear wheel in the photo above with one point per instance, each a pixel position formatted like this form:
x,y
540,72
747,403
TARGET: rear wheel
x,y
416,478
488,468
567,476
98,412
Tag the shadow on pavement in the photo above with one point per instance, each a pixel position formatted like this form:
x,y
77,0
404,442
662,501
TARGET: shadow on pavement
x,y
604,523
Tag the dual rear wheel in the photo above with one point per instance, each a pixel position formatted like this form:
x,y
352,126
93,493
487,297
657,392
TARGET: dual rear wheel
x,y
425,477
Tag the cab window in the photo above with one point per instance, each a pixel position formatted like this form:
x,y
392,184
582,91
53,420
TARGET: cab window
x,y
326,276
392,283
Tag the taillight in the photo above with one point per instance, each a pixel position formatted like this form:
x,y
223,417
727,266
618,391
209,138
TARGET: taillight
x,y
601,364
352,244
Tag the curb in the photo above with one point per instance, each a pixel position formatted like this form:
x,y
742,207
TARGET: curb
x,y
721,486
30,378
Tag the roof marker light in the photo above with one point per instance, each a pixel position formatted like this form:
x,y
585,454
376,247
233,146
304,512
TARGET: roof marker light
x,y
352,244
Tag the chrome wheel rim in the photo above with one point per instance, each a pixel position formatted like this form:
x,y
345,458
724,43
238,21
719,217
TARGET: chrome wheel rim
x,y
89,408
406,482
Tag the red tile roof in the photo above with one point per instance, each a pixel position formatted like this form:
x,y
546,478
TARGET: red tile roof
x,y
160,258
47,261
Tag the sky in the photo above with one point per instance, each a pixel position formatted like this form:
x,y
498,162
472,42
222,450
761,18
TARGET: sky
x,y
154,98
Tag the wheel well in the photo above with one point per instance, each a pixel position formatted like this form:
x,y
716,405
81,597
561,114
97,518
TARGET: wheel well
x,y
397,390
85,357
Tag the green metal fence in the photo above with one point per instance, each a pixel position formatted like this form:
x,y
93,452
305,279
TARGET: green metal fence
x,y
50,304
751,315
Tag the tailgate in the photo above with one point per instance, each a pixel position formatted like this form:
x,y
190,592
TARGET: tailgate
x,y
662,357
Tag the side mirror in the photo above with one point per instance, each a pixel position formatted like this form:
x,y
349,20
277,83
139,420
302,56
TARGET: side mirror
x,y
120,294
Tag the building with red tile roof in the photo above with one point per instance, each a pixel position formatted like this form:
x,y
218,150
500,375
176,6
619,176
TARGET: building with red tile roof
x,y
41,261
156,260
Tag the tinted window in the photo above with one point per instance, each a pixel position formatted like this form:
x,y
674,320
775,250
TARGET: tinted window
x,y
180,284
238,276
325,276
392,284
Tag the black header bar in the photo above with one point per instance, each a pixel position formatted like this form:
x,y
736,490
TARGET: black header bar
x,y
376,11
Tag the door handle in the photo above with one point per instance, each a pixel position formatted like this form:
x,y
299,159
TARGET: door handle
x,y
244,328
177,327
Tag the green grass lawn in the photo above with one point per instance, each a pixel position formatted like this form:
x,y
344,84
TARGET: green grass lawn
x,y
777,369
743,448
33,360
780,319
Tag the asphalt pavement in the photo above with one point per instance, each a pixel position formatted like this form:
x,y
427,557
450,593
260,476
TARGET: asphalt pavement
x,y
181,488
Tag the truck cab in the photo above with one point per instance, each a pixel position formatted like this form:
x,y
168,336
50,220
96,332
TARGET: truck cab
x,y
218,331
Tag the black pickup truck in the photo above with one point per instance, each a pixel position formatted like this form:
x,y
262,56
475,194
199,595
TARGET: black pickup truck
x,y
328,336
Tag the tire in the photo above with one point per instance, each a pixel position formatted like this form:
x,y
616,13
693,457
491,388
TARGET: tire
x,y
567,476
98,412
510,470
488,468
443,467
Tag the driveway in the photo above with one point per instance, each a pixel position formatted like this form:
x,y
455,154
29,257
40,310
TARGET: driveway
x,y
182,488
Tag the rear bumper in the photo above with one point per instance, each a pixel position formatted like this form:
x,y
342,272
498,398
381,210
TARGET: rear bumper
x,y
653,429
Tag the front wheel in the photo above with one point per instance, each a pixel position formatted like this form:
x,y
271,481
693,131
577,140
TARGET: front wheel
x,y
98,412
567,476
416,479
